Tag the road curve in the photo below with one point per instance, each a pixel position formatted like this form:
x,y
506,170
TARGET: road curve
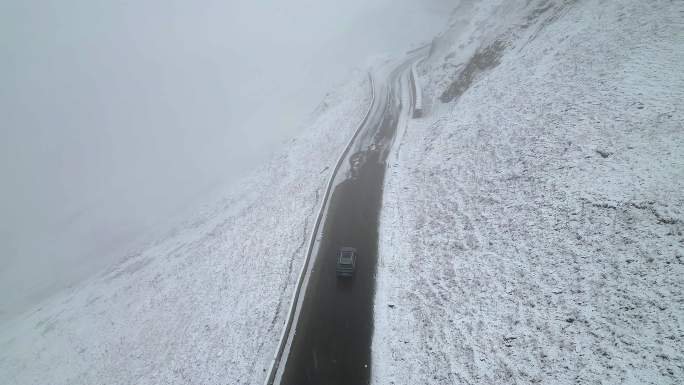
x,y
330,342
294,308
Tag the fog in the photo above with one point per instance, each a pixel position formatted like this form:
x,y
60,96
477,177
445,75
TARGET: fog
x,y
117,115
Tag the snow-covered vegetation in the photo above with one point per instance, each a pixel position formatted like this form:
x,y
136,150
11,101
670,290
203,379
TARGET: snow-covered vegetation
x,y
531,229
206,304
532,222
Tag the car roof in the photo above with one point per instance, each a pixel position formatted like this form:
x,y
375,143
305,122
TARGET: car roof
x,y
348,249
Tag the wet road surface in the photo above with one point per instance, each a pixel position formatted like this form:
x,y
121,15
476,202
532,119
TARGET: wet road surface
x,y
332,342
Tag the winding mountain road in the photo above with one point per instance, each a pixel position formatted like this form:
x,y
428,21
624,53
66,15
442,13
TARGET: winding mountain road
x,y
330,342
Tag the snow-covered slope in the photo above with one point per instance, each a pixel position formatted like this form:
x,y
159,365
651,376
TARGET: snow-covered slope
x,y
532,221
206,304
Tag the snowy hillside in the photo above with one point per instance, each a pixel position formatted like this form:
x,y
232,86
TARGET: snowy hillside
x,y
205,305
532,220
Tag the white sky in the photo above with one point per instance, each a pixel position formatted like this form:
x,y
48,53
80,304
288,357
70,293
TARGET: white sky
x,y
116,114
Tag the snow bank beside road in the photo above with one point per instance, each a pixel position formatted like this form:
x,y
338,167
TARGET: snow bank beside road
x,y
532,225
206,304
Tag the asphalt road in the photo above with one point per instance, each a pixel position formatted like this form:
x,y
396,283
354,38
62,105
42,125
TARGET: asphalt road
x,y
332,340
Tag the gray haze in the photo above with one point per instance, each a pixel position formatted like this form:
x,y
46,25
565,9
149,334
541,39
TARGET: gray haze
x,y
115,115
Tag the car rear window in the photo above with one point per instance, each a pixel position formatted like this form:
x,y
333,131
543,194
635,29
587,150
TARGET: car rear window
x,y
346,257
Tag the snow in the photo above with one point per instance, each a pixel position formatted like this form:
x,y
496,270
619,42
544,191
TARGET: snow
x,y
532,222
205,304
